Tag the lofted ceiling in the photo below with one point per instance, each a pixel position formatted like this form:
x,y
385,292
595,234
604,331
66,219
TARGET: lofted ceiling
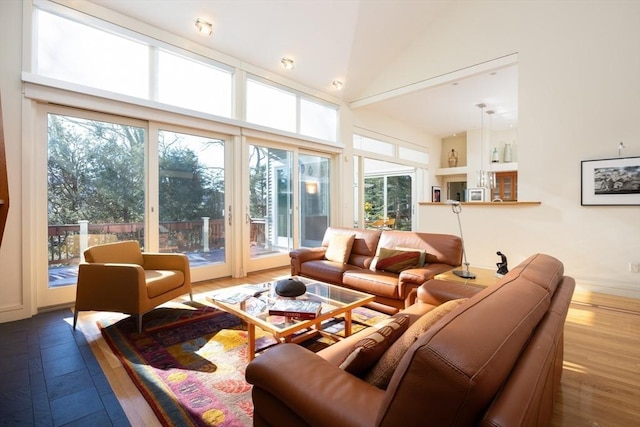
x,y
345,40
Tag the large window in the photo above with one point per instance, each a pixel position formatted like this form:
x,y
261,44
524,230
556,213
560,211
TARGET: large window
x,y
388,201
270,106
131,65
83,50
284,109
73,52
195,85
387,172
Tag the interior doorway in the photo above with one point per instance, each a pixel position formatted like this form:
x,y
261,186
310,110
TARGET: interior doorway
x,y
457,190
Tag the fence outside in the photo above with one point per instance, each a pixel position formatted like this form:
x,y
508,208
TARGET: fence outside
x,y
67,242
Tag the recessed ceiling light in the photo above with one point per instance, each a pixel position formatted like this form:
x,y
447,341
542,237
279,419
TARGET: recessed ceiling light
x,y
205,28
287,63
337,84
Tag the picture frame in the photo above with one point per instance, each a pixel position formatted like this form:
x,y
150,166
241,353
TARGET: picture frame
x,y
475,195
436,194
610,182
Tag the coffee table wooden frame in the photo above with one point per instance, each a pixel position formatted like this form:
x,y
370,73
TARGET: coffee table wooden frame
x,y
330,308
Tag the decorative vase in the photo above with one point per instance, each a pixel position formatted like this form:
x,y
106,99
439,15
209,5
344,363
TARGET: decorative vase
x,y
453,159
495,156
507,153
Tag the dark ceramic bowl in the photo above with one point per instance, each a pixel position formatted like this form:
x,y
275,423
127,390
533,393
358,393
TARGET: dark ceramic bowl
x,y
290,288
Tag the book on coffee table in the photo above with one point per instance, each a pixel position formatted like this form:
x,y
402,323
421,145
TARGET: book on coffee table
x,y
237,294
299,309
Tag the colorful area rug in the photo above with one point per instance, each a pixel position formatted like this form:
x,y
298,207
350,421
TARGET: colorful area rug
x,y
189,362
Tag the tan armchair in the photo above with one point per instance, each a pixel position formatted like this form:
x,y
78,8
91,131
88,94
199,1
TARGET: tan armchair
x,y
120,277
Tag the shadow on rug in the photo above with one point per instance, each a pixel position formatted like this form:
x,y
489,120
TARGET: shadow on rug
x,y
190,360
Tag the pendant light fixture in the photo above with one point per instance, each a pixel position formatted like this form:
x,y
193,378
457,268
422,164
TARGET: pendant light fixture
x,y
481,176
485,177
491,175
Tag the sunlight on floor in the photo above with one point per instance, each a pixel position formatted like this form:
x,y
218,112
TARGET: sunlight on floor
x,y
574,367
581,316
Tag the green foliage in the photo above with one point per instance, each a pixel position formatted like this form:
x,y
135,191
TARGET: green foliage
x,y
96,172
398,199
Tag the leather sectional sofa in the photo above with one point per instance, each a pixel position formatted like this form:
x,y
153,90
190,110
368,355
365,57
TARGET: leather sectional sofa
x,y
393,291
494,359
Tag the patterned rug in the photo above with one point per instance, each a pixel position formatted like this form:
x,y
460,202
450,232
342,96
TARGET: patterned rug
x,y
189,362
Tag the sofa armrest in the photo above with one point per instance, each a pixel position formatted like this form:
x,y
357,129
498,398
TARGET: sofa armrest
x,y
410,279
436,292
110,286
302,255
155,261
312,388
308,254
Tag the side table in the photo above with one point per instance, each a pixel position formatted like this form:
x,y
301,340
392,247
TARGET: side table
x,y
484,276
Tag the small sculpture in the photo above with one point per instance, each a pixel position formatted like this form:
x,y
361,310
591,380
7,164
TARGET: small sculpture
x,y
453,159
502,265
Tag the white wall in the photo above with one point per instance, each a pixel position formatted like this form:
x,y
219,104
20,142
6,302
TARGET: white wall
x,y
579,96
14,297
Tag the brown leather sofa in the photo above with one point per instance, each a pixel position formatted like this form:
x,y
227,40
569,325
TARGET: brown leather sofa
x,y
393,291
494,360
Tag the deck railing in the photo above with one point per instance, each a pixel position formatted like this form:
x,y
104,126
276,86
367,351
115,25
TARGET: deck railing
x,y
67,242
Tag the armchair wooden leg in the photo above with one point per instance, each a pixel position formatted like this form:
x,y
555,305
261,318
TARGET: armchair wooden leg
x,y
139,323
191,295
75,318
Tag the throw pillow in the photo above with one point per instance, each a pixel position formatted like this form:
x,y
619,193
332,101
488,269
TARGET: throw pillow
x,y
396,260
423,255
381,373
367,351
339,248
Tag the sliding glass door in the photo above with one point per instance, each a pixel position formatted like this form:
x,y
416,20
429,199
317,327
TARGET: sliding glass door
x,y
285,209
95,191
110,179
192,199
270,210
313,184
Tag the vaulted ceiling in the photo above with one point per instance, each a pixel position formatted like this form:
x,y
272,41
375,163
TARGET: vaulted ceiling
x,y
346,40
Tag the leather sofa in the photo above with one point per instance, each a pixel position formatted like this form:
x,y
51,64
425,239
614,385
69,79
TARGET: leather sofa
x,y
393,291
494,360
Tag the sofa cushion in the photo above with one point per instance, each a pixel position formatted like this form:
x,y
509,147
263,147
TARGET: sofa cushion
x,y
380,374
339,248
162,281
397,260
423,254
368,350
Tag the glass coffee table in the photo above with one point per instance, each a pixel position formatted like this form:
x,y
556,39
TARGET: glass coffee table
x,y
335,301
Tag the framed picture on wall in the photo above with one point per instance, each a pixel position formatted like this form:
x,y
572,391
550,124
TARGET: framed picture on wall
x,y
436,194
475,195
610,182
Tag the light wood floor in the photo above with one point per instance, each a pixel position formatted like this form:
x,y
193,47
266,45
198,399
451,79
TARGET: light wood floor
x,y
600,381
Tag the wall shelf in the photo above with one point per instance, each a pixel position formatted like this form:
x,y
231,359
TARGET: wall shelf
x,y
485,203
463,170
460,170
